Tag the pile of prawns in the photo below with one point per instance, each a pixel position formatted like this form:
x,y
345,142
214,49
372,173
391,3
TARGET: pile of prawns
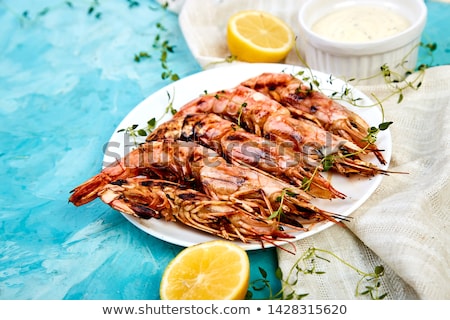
x,y
242,163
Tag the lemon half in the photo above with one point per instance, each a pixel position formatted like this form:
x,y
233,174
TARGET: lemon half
x,y
257,36
213,270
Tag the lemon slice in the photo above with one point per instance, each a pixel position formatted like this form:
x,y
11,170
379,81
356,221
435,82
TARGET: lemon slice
x,y
213,270
257,36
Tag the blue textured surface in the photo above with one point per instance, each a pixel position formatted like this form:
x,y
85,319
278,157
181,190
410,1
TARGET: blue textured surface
x,y
67,78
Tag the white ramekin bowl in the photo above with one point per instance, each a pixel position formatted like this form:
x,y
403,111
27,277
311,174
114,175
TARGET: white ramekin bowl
x,y
361,60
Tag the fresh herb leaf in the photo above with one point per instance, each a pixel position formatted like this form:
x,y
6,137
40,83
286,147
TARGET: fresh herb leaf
x,y
369,283
384,125
161,43
133,130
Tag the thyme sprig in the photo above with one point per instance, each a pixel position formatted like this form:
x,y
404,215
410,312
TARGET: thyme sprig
x,y
134,131
328,160
397,78
369,283
277,214
162,44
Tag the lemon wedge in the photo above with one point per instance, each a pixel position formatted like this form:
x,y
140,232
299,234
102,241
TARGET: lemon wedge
x,y
213,270
257,36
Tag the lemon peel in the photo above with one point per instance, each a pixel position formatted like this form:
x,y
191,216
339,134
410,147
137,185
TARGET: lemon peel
x,y
213,270
258,36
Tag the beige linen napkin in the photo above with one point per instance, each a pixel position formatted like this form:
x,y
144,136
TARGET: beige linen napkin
x,y
404,225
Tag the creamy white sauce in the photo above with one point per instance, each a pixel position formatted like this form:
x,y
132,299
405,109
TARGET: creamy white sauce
x,y
360,24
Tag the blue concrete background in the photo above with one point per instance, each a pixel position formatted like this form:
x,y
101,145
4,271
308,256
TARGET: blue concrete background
x,y
67,78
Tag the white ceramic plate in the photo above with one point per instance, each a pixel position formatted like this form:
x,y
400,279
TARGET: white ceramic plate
x,y
357,189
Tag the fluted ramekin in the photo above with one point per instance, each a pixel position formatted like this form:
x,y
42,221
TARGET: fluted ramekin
x,y
361,60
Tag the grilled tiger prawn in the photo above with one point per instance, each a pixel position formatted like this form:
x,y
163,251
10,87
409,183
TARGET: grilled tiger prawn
x,y
200,168
263,116
156,160
150,198
236,144
313,105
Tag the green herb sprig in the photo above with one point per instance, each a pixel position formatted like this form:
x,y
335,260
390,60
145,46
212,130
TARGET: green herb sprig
x,y
369,283
134,131
280,199
396,81
161,43
327,161
399,81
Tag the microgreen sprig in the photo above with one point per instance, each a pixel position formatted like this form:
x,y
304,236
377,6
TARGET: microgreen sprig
x,y
134,131
161,44
397,81
372,133
280,199
369,283
327,161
